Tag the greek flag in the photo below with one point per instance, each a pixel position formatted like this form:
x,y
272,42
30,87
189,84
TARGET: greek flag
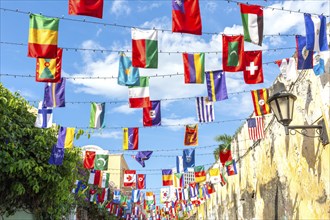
x,y
205,109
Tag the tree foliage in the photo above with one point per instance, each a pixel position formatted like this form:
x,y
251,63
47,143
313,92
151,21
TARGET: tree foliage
x,y
225,140
27,181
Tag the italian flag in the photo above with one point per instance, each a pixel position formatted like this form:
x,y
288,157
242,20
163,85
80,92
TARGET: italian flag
x,y
253,24
144,48
139,95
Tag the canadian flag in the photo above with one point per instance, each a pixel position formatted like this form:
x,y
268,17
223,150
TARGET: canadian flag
x,y
129,178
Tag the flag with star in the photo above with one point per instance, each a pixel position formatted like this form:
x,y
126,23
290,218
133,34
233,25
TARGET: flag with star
x,y
49,70
127,74
57,156
101,162
253,67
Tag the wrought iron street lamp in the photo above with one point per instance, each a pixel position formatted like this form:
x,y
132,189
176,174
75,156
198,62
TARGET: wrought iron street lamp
x,y
282,104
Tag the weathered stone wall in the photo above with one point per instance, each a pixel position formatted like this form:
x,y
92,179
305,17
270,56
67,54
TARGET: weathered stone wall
x,y
282,176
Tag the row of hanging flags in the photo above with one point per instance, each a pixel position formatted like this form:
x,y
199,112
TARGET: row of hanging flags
x,y
181,196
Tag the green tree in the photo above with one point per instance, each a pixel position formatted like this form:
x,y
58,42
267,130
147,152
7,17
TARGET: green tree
x,y
225,140
27,181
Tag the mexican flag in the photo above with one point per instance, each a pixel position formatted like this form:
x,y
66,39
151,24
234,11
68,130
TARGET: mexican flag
x,y
253,23
139,95
144,48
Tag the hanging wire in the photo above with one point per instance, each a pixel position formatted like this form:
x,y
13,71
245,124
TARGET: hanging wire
x,y
130,26
119,51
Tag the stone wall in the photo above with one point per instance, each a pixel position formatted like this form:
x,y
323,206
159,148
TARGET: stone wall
x,y
282,176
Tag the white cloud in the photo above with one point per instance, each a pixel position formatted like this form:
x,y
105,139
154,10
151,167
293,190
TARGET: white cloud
x,y
277,21
148,7
211,6
120,7
178,121
125,109
98,32
107,134
26,93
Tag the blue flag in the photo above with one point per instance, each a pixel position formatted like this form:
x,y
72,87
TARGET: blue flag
x,y
127,74
216,85
188,159
57,155
54,95
141,156
316,32
305,57
318,63
179,164
116,197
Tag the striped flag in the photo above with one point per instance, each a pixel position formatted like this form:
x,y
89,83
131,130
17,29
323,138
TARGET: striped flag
x,y
179,164
193,67
65,137
256,128
259,98
205,109
316,32
135,195
97,115
139,95
216,85
178,180
131,138
167,177
54,95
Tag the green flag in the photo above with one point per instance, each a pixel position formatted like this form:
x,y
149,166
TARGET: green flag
x,y
101,162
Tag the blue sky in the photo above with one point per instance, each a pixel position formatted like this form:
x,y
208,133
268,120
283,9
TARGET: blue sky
x,y
217,17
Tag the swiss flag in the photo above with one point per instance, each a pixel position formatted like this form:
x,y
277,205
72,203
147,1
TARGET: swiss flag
x,y
141,181
129,178
253,67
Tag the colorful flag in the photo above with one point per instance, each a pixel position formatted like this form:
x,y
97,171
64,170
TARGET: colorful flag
x,y
253,23
318,62
57,155
135,195
131,138
305,57
256,128
43,36
232,53
167,177
116,196
141,181
260,98
191,135
129,178
200,174
104,179
214,175
92,8
45,117
253,67
54,95
89,159
288,68
164,195
149,197
141,156
188,159
225,153
193,67
231,168
216,85
316,32
97,115
65,137
151,115
179,164
186,17
49,70
101,161
139,95
94,177
127,75
193,189
144,48
222,179
179,180
205,109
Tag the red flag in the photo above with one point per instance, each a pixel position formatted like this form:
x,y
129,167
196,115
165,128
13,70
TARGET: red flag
x,y
129,178
191,135
225,154
89,159
256,128
186,17
92,8
97,177
49,70
232,53
253,67
141,181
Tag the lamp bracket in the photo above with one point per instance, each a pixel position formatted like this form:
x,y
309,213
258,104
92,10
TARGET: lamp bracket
x,y
320,130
